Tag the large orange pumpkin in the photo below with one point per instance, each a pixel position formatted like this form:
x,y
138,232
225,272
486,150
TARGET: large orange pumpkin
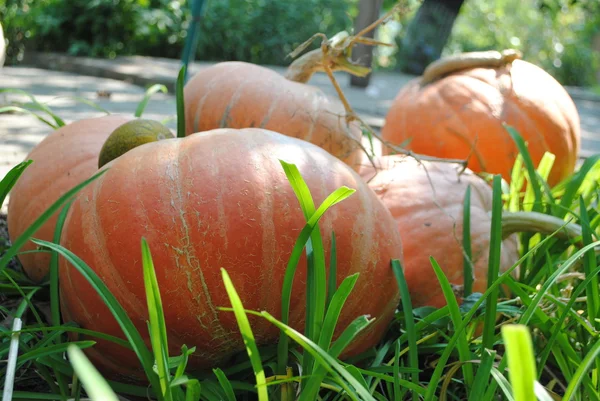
x,y
62,160
427,202
220,199
460,113
242,95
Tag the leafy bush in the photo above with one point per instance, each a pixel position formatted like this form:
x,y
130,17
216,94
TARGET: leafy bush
x,y
257,31
556,35
558,40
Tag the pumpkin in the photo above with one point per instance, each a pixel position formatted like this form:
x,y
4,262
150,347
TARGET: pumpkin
x,y
211,200
457,109
426,200
62,160
242,95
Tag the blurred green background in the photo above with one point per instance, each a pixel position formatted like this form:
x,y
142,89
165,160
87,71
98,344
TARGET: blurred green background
x,y
561,36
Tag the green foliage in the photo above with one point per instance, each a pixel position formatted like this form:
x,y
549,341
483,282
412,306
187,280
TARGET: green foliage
x,y
256,31
558,39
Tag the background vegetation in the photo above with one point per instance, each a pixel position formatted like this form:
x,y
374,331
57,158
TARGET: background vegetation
x,y
558,35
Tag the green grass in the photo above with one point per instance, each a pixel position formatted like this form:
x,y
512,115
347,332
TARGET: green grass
x,y
538,341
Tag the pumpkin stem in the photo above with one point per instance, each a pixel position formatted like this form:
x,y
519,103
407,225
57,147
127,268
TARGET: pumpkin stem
x,y
338,59
463,61
335,55
514,222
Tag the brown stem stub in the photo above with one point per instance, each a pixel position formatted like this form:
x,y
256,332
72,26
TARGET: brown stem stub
x,y
463,61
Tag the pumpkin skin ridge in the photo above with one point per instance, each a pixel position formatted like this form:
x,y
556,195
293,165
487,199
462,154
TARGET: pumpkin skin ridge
x,y
387,292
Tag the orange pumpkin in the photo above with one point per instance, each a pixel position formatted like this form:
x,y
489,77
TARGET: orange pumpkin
x,y
62,160
426,201
220,199
243,95
457,110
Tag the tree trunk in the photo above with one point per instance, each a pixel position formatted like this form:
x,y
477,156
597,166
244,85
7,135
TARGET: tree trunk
x,y
427,34
368,12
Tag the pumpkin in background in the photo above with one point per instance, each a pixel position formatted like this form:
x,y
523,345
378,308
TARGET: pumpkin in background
x,y
211,200
427,202
62,160
243,95
457,110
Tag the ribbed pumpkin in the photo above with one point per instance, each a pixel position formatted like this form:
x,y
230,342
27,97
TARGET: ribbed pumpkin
x,y
426,201
63,159
243,95
458,109
220,199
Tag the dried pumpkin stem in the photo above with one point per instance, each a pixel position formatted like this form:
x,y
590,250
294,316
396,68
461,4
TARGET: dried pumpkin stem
x,y
335,55
450,64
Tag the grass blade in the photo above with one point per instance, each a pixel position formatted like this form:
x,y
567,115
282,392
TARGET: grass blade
x,y
54,289
493,266
409,322
333,367
312,385
589,265
332,280
59,121
467,258
583,367
574,184
95,385
531,171
521,361
247,335
180,103
9,377
144,102
157,327
463,347
335,197
11,178
130,331
225,384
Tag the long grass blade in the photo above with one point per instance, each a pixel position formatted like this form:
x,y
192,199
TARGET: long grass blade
x,y
11,178
463,347
180,99
326,360
93,382
9,377
149,92
157,326
493,266
133,335
533,180
247,335
54,289
521,361
409,322
589,265
466,243
335,197
579,375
